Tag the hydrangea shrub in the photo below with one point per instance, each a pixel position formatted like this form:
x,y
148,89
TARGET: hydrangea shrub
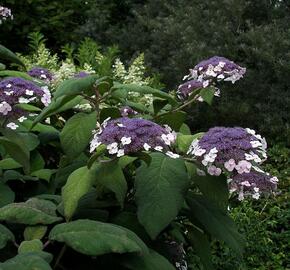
x,y
125,184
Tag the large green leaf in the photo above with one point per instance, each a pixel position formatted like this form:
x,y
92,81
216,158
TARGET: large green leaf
x,y
17,150
151,261
77,185
97,238
214,221
111,176
13,73
27,261
172,119
7,55
201,244
30,246
5,236
34,232
214,188
160,190
34,211
58,105
143,89
9,163
6,195
75,86
77,132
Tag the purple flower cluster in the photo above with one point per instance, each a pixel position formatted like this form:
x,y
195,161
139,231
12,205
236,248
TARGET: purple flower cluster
x,y
186,89
234,151
208,73
40,73
130,135
127,111
252,184
5,13
15,91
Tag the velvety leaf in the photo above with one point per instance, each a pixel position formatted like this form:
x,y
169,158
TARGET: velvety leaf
x,y
201,246
32,212
6,195
184,129
13,73
75,86
30,246
173,119
5,236
77,185
34,232
111,176
151,261
56,106
215,188
9,163
207,94
160,189
214,221
143,89
26,261
17,150
28,108
98,152
77,132
159,104
7,55
44,174
109,112
96,238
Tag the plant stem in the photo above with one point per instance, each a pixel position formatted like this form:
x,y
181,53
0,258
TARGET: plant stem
x,y
61,253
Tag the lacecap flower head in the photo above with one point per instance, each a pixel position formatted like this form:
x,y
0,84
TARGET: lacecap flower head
x,y
233,151
15,91
41,73
131,135
5,13
252,184
208,73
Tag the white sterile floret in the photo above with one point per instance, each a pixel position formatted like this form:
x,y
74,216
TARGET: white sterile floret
x,y
274,180
146,146
119,124
158,148
243,167
256,196
120,153
256,144
12,125
251,131
168,138
172,155
126,140
8,93
113,148
5,108
22,118
29,92
245,183
205,84
199,152
230,165
94,145
23,100
213,170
